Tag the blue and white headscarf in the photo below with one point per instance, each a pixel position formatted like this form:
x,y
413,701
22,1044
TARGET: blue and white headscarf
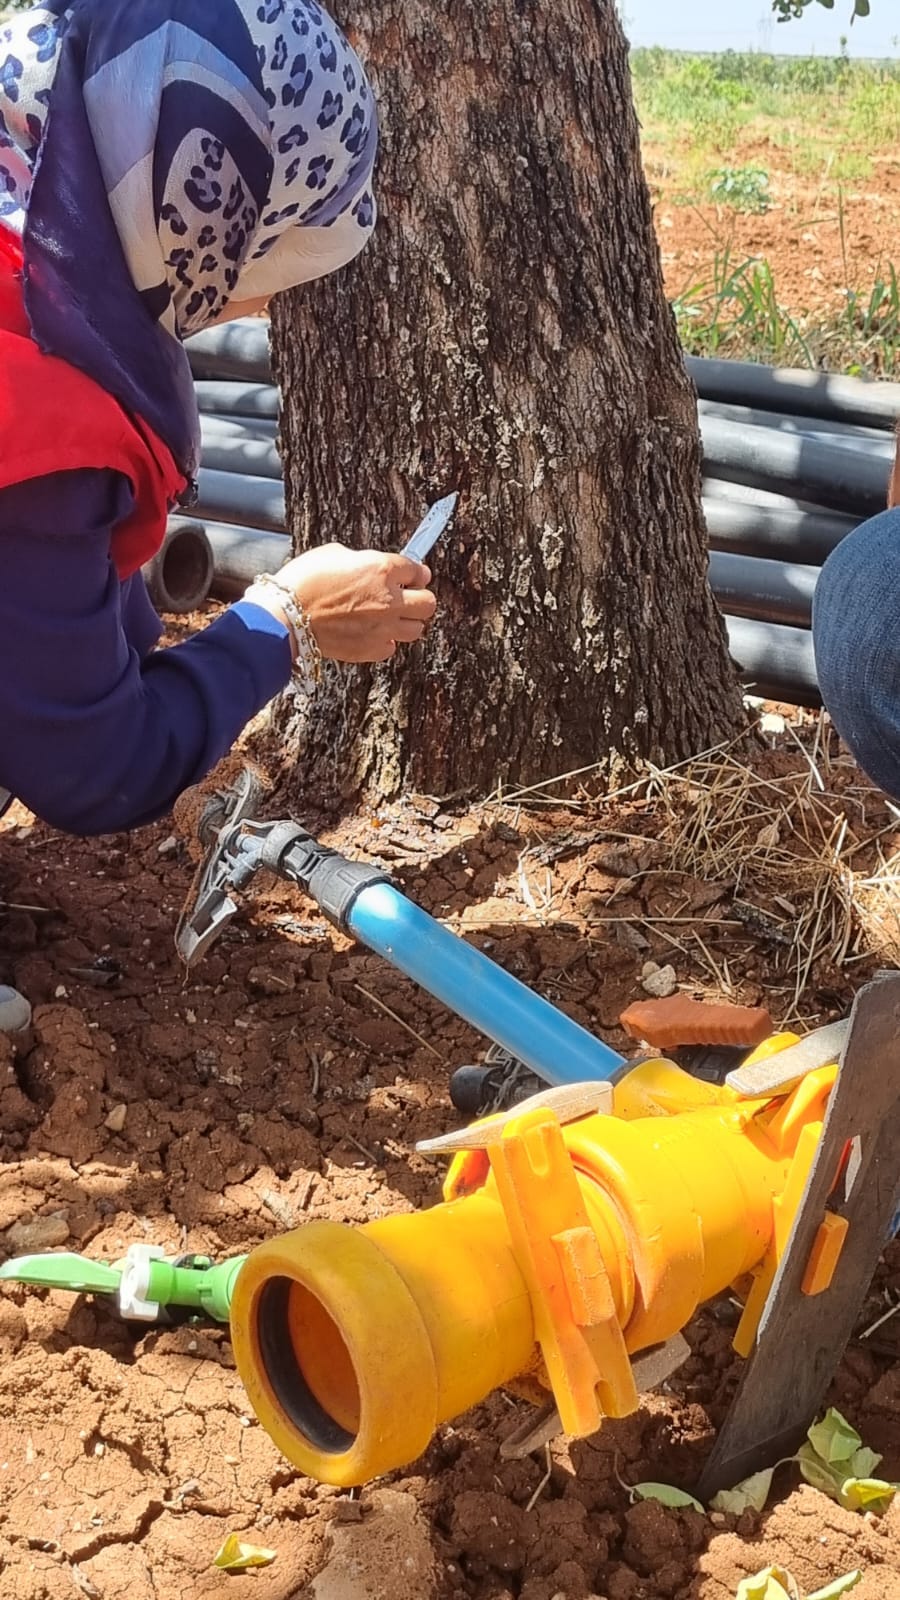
x,y
162,158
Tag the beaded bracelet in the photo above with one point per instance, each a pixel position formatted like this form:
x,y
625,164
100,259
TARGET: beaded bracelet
x,y
307,667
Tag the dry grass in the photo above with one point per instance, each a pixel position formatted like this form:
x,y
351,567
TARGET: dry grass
x,y
785,848
809,868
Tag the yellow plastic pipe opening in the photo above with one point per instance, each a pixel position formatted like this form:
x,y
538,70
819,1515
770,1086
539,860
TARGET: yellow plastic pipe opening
x,y
354,1344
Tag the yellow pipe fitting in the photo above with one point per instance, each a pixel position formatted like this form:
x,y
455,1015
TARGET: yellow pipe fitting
x,y
556,1254
355,1344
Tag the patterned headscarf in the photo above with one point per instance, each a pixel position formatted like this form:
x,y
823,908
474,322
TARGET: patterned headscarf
x,y
162,158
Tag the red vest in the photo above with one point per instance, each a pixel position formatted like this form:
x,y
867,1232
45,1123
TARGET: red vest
x,y
54,418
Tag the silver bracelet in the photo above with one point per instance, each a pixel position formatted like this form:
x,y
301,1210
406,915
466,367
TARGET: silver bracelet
x,y
307,668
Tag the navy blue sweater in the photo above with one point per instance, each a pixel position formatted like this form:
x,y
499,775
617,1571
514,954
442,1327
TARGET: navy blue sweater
x,y
100,731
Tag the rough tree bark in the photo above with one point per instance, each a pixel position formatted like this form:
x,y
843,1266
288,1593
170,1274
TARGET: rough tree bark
x,y
508,335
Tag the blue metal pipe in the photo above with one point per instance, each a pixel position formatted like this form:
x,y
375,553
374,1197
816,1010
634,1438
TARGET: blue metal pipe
x,y
469,983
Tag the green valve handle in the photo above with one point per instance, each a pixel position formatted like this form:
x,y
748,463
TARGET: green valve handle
x,y
147,1286
63,1271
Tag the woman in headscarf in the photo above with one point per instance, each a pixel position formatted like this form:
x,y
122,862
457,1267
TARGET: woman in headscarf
x,y
164,165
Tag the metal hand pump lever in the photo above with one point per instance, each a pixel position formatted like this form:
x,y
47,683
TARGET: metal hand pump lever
x,y
363,902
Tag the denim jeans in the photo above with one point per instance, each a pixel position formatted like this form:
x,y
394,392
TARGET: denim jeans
x,y
856,634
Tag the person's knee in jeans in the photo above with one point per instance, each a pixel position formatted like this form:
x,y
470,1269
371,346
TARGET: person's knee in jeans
x,y
856,634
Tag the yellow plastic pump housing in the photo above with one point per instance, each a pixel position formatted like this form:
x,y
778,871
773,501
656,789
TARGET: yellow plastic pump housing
x,y
557,1254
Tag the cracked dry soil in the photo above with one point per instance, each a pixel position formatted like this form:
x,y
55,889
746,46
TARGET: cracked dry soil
x,y
270,1088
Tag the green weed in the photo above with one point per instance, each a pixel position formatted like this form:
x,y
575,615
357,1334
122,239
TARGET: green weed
x,y
742,188
738,313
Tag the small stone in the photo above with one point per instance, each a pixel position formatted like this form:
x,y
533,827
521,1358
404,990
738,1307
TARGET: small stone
x,y
60,992
660,983
115,1122
39,1233
167,846
15,1010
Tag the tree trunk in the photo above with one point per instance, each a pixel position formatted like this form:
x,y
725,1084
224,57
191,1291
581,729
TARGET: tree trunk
x,y
506,335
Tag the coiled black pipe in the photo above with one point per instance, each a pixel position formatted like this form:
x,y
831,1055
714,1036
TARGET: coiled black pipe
x,y
233,497
776,533
227,425
842,479
223,397
239,349
768,591
784,422
869,403
776,662
241,553
179,577
230,444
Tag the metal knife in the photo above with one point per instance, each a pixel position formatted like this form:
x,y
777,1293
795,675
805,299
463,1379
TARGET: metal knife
x,y
430,528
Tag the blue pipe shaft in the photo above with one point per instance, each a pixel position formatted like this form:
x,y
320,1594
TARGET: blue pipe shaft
x,y
470,984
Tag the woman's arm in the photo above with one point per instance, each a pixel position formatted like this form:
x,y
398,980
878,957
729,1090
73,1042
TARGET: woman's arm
x,y
100,732
92,737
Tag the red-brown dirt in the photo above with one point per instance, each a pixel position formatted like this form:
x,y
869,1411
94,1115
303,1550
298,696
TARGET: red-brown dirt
x,y
273,1087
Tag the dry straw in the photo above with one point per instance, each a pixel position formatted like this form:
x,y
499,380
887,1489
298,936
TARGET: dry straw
x,y
806,875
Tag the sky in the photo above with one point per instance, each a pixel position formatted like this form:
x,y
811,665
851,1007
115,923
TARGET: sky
x,y
749,25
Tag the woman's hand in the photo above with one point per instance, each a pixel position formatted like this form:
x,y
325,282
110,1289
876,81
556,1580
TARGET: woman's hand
x,y
360,603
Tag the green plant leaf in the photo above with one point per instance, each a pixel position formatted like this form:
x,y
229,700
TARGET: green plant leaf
x,y
833,1439
666,1495
773,1583
819,1473
867,1494
751,1494
864,1462
235,1555
833,1591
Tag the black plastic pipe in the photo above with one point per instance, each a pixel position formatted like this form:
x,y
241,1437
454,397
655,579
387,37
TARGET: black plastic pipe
x,y
239,349
768,591
842,479
775,662
180,575
742,494
870,403
224,397
230,497
229,426
230,446
240,554
774,533
789,422
878,447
